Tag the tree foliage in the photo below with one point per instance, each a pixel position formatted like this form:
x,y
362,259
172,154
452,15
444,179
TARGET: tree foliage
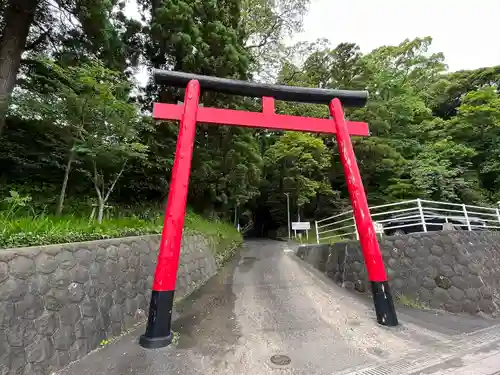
x,y
79,126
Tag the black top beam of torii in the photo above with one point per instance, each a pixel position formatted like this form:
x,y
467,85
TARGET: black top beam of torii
x,y
349,98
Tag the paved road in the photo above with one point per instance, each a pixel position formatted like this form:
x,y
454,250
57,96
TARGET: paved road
x,y
268,302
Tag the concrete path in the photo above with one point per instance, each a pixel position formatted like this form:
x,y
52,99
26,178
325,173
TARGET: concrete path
x,y
269,303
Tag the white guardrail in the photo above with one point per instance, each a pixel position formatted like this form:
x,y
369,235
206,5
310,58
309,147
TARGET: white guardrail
x,y
412,216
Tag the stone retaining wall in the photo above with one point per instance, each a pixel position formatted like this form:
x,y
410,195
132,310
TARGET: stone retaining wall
x,y
58,302
455,271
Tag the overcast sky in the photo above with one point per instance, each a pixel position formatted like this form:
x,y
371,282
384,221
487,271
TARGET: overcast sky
x,y
466,31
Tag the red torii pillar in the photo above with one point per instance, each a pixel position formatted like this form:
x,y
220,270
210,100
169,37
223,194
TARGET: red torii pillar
x,y
158,333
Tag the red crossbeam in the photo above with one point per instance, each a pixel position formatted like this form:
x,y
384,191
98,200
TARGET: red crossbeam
x,y
266,119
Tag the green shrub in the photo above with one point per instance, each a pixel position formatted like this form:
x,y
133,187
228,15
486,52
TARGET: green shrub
x,y
46,230
21,226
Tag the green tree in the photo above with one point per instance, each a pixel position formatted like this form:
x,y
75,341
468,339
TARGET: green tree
x,y
441,172
477,125
88,105
80,28
297,164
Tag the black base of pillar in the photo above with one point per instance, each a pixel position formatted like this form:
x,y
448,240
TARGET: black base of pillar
x,y
158,333
384,306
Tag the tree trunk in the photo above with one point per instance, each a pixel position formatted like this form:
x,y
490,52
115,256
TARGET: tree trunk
x,y
18,18
100,213
62,195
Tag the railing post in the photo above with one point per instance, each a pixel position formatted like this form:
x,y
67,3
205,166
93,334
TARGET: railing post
x,y
317,233
421,213
467,218
498,215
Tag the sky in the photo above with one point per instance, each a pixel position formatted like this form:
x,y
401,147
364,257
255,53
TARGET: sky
x,y
467,32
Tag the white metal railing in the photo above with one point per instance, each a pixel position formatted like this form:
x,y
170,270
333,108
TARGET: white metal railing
x,y
412,216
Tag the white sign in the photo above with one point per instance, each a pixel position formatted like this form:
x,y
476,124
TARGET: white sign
x,y
379,228
301,225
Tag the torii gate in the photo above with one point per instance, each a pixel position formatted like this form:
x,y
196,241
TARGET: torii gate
x,y
158,332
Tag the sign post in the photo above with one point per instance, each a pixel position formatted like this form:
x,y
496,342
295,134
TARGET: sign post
x,y
158,332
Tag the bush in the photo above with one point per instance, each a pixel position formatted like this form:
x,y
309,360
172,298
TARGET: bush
x,y
21,226
46,230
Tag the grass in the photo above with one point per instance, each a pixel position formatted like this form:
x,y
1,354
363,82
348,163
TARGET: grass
x,y
225,238
410,302
32,230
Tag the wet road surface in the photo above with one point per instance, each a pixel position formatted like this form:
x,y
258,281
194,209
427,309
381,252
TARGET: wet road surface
x,y
267,302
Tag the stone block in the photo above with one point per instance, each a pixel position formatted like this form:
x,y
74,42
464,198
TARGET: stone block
x,y
398,284
462,259
443,282
39,284
13,289
453,306
90,308
84,257
475,281
79,274
100,255
447,259
459,282
105,302
62,358
4,272
112,252
56,299
446,271
17,360
46,324
69,314
29,307
124,250
357,266
22,267
6,315
411,252
474,268
424,295
39,351
131,306
486,306
485,292
60,278
434,261
441,295
116,313
428,283
66,259
423,251
470,307
437,250
79,349
456,294
119,296
393,263
46,263
349,285
64,338
75,293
